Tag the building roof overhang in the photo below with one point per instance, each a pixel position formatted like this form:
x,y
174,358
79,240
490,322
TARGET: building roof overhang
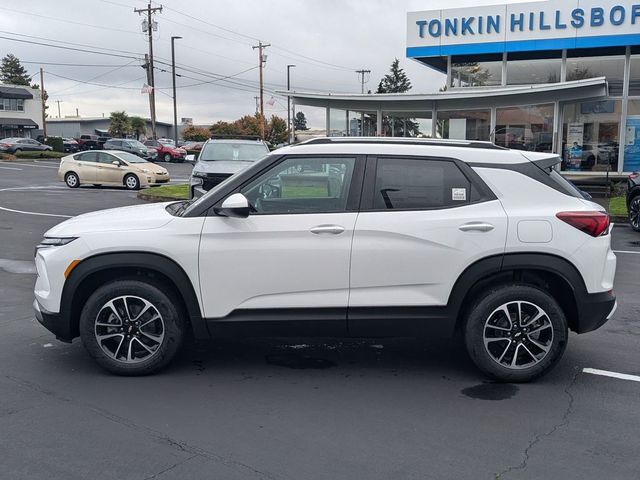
x,y
19,122
15,92
457,98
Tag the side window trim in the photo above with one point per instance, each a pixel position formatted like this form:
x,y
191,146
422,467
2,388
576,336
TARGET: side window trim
x,y
355,187
368,193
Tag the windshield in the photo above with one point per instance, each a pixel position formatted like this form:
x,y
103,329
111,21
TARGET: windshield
x,y
135,143
131,158
248,152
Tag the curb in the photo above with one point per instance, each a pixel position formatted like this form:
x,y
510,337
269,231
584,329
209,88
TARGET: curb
x,y
619,220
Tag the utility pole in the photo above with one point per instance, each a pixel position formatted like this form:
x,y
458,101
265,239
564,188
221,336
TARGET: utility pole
x,y
44,112
173,75
362,73
59,102
289,126
149,60
262,59
257,99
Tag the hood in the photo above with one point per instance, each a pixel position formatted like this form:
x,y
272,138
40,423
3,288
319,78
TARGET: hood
x,y
221,166
135,217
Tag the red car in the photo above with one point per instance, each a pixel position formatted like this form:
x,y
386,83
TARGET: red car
x,y
167,151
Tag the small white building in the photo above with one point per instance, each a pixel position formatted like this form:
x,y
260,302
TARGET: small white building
x,y
20,111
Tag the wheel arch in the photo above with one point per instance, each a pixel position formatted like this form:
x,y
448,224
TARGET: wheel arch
x,y
552,273
634,192
95,271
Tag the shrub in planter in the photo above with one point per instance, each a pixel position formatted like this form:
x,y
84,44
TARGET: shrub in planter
x,y
56,143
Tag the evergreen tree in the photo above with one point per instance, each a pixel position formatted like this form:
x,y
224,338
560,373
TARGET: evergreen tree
x,y
300,122
12,71
396,81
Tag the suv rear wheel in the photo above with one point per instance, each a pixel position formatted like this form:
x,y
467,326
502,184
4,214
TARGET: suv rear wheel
x,y
634,213
131,327
516,333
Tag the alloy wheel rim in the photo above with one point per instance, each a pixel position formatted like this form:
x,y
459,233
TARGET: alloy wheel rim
x,y
634,213
131,182
129,329
71,180
518,335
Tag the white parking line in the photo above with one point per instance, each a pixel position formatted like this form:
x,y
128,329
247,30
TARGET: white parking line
x,y
9,168
32,165
626,251
606,373
35,213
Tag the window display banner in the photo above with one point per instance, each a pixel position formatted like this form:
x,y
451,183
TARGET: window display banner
x,y
575,135
632,144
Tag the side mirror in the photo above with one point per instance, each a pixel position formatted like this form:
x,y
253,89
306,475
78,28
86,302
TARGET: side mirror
x,y
190,158
235,206
116,163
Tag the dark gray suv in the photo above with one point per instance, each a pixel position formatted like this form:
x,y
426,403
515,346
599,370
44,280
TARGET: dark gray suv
x,y
131,146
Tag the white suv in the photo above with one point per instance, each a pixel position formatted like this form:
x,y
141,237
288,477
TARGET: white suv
x,y
342,237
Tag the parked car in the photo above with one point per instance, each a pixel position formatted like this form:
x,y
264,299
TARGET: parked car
x,y
342,237
88,142
131,146
193,146
102,140
633,200
166,151
222,157
70,145
17,145
110,168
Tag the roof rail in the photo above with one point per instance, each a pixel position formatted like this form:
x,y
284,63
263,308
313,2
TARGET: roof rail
x,y
235,137
405,141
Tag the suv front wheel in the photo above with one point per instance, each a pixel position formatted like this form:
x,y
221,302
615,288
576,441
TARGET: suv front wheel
x,y
515,333
131,327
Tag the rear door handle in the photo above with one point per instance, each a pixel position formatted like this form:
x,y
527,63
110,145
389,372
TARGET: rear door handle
x,y
327,229
476,227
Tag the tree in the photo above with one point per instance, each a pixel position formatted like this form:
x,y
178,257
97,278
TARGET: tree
x,y
195,134
12,71
276,131
120,124
396,81
138,126
300,122
223,128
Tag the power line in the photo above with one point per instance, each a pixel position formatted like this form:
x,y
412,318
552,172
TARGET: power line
x,y
93,78
78,64
65,48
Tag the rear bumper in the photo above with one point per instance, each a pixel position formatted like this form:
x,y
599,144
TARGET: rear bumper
x,y
594,310
54,322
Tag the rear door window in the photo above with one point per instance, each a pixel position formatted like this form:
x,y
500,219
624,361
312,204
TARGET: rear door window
x,y
419,184
88,157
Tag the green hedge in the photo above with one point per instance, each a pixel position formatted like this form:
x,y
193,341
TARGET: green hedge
x,y
56,143
46,154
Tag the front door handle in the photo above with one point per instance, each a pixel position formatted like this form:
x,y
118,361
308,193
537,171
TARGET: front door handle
x,y
327,229
476,227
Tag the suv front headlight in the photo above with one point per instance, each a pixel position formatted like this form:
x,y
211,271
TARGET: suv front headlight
x,y
49,242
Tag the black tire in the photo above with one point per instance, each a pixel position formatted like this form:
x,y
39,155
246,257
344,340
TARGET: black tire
x,y
167,157
17,150
131,182
485,316
173,328
72,180
634,212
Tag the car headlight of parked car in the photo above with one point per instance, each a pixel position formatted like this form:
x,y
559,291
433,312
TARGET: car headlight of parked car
x,y
50,242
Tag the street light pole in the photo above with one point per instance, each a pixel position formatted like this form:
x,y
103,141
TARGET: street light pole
x,y
289,67
173,75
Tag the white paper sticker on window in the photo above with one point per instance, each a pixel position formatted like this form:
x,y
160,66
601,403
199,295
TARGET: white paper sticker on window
x,y
459,194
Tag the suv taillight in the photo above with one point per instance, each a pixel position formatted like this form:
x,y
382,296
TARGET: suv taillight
x,y
592,223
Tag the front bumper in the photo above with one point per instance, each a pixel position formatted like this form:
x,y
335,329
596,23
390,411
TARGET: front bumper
x,y
594,310
54,322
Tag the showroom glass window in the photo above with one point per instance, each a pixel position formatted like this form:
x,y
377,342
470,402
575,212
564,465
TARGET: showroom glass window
x,y
477,72
522,70
464,124
527,127
590,135
581,65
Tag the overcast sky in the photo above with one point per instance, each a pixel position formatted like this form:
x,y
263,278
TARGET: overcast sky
x,y
327,39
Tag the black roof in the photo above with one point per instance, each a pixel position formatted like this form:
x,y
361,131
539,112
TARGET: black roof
x,y
13,92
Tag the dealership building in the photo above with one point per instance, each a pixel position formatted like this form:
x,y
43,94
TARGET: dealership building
x,y
553,76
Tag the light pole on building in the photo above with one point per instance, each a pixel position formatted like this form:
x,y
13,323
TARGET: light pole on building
x,y
173,76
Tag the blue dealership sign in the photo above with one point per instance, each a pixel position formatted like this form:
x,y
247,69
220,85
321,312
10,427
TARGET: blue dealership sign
x,y
546,25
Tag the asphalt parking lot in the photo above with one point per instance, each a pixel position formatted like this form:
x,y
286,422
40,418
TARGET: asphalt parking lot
x,y
401,409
